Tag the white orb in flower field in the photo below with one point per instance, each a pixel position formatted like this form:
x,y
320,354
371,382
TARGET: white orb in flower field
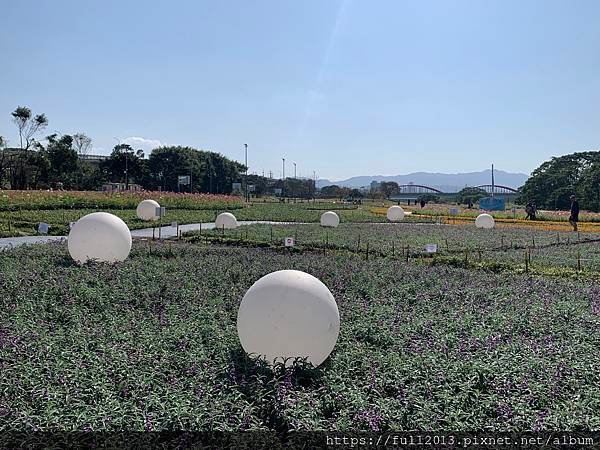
x,y
330,219
226,220
146,210
484,221
100,237
395,213
288,314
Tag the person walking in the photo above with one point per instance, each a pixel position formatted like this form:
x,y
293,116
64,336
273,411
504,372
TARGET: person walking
x,y
529,211
574,217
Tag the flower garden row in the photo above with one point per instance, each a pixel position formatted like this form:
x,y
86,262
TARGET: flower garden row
x,y
420,347
48,200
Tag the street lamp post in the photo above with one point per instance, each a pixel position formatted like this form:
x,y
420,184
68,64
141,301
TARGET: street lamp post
x,y
293,185
283,178
246,159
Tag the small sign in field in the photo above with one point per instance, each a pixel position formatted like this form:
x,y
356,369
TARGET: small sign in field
x,y
289,241
431,248
43,228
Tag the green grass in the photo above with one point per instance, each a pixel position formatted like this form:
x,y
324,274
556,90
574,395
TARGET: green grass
x,y
151,344
25,222
500,247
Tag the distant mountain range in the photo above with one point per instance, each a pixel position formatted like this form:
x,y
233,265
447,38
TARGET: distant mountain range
x,y
446,182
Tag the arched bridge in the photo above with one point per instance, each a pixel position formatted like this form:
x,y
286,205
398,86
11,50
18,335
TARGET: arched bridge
x,y
498,189
417,189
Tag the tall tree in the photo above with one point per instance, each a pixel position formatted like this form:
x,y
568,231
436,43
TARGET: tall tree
x,y
554,181
82,144
64,162
334,191
470,195
4,161
209,171
389,188
28,125
125,165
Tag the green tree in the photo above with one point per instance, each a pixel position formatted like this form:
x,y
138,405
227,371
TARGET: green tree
x,y
334,191
4,161
210,171
28,125
429,197
389,188
554,181
64,161
356,194
125,165
470,195
82,144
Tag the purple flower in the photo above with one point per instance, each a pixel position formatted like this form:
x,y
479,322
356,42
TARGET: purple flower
x,y
371,418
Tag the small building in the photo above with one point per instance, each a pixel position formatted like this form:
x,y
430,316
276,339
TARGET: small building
x,y
93,159
121,187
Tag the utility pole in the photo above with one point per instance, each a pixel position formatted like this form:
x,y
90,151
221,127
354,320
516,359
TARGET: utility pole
x,y
283,178
492,180
293,185
246,159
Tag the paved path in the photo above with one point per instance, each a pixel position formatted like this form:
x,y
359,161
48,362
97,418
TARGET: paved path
x,y
165,232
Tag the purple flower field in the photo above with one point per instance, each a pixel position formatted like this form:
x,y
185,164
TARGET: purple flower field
x,y
151,344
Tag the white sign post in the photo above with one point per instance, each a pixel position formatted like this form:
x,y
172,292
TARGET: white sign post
x,y
289,242
43,228
431,248
160,213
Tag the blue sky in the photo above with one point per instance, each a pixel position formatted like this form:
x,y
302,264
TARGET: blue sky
x,y
341,87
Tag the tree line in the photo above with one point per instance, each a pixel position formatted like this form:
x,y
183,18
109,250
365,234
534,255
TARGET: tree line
x,y
61,161
553,182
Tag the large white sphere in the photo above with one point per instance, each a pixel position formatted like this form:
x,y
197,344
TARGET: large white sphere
x,y
100,237
395,213
288,314
226,220
330,219
146,210
484,221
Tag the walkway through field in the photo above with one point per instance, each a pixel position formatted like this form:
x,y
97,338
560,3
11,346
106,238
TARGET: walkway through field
x,y
164,232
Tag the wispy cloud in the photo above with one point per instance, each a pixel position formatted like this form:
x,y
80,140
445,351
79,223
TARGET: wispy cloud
x,y
142,143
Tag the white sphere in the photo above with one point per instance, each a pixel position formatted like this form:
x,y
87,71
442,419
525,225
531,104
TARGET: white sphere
x,y
330,219
226,220
484,221
395,213
288,314
146,210
100,237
